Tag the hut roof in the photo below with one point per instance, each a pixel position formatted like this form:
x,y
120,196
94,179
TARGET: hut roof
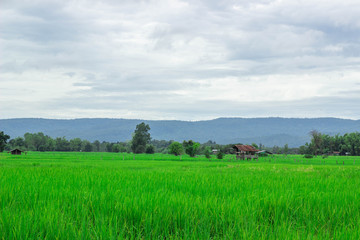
x,y
265,151
246,148
16,150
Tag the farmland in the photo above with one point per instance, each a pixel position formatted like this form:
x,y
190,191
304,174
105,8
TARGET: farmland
x,y
57,195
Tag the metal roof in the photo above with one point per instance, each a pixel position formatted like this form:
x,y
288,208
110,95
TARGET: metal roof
x,y
246,148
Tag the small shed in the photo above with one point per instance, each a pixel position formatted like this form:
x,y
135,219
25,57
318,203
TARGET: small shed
x,y
16,151
264,153
246,151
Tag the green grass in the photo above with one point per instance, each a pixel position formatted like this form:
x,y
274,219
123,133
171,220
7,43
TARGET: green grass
x,y
113,196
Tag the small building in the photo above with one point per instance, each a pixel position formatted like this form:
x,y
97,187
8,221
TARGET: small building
x,y
264,153
16,151
246,151
214,151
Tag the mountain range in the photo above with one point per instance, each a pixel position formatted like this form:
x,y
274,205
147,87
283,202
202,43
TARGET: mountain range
x,y
267,131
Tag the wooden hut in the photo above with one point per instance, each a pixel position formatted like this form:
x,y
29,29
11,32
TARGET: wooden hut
x,y
16,151
245,152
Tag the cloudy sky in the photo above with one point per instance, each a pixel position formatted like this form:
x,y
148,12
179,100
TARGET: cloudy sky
x,y
177,59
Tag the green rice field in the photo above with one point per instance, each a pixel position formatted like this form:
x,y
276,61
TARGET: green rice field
x,y
55,195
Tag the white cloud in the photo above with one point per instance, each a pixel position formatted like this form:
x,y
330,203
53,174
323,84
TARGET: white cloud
x,y
179,59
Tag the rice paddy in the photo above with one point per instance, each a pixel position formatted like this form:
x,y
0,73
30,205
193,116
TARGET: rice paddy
x,y
123,196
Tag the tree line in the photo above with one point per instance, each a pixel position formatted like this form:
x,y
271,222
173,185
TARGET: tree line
x,y
320,144
141,143
324,144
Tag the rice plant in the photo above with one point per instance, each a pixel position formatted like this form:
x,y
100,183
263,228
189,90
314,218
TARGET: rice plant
x,y
124,196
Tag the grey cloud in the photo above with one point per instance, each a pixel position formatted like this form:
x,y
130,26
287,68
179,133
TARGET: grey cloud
x,y
143,53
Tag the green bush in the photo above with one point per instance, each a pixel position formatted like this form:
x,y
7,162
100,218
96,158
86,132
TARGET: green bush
x,y
207,153
150,149
220,155
308,156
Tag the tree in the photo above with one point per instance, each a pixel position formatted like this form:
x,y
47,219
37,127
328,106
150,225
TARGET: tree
x,y
302,149
36,141
61,144
352,142
255,145
276,149
191,147
87,146
150,149
17,143
176,148
109,147
96,144
220,155
286,149
316,142
140,138
207,152
76,144
49,145
115,148
3,140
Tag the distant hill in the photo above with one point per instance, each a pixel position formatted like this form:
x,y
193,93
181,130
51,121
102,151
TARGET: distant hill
x,y
268,131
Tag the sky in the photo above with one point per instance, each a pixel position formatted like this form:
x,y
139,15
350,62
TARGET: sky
x,y
184,60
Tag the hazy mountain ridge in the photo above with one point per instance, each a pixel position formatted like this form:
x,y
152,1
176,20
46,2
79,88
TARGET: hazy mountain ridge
x,y
268,131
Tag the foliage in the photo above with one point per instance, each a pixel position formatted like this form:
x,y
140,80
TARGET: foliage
x,y
97,145
161,145
17,143
220,155
308,156
227,149
39,142
316,141
150,149
76,144
286,149
302,150
115,148
3,140
110,147
87,146
207,152
348,144
140,138
191,147
61,144
208,146
176,148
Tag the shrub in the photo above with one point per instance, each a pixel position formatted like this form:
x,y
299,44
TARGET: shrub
x,y
308,156
176,148
150,149
207,152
